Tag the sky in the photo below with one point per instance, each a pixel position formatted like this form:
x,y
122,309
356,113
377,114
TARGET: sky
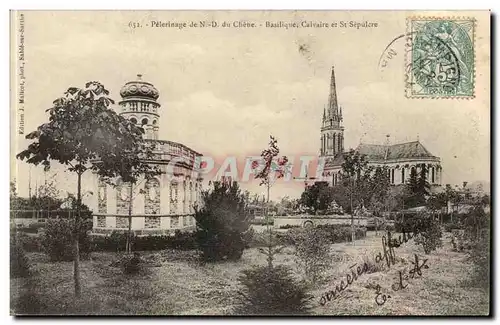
x,y
223,91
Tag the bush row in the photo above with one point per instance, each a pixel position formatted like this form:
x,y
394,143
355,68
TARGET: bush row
x,y
56,241
19,263
117,242
414,223
333,234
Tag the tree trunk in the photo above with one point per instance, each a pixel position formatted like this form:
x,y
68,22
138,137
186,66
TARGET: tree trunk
x,y
352,215
128,247
76,233
270,257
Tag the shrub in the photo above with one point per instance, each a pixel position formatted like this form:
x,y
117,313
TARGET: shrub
x,y
450,226
272,291
474,221
428,235
340,234
414,223
19,263
480,257
30,301
133,265
312,251
221,223
32,228
290,226
117,240
248,237
57,240
29,243
334,234
372,266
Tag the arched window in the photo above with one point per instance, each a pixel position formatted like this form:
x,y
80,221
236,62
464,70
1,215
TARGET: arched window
x,y
173,197
154,122
152,196
334,142
133,120
402,175
392,176
102,197
432,175
144,121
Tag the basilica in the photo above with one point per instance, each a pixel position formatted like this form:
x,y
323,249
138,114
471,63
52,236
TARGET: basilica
x,y
399,158
162,204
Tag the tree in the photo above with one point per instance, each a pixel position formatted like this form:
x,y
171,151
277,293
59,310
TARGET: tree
x,y
354,169
417,188
83,133
378,189
268,171
437,201
317,197
423,185
222,222
272,291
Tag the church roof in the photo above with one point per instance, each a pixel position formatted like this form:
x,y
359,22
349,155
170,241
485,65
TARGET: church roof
x,y
412,149
380,152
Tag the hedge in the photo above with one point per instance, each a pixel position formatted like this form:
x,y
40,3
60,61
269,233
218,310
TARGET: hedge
x,y
117,242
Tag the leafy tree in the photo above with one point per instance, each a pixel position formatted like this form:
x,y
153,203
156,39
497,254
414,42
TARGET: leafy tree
x,y
437,201
268,171
221,222
317,197
429,236
13,189
354,170
84,133
340,194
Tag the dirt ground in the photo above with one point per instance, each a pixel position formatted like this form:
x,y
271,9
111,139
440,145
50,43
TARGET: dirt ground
x,y
176,284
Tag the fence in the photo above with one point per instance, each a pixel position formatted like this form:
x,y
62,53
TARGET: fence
x,y
41,214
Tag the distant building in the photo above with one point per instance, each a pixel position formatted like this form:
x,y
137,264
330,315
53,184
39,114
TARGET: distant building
x,y
399,158
162,204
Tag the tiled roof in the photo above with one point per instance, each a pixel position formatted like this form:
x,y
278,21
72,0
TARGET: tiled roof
x,y
379,152
334,161
412,149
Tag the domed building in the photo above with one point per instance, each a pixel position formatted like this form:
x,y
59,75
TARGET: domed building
x,y
162,204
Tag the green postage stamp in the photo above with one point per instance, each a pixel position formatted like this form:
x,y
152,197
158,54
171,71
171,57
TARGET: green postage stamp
x,y
440,60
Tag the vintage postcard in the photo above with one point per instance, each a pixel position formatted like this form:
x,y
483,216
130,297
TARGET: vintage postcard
x,y
292,163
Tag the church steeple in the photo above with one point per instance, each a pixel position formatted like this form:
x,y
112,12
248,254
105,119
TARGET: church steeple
x,y
333,109
332,131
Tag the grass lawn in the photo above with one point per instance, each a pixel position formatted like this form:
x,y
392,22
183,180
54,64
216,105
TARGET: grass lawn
x,y
176,284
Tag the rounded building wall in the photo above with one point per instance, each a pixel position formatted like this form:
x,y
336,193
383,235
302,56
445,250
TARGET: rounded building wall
x,y
162,204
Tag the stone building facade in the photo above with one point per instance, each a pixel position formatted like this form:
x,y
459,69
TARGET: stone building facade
x,y
162,204
400,158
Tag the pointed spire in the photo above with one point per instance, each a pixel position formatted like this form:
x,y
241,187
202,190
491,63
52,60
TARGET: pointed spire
x,y
333,109
324,112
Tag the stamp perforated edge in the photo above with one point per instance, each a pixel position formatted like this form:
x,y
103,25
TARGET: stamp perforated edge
x,y
407,60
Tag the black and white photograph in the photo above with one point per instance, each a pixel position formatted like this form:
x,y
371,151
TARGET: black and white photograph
x,y
250,163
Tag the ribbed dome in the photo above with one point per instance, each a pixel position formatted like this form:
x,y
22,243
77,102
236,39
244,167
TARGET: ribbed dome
x,y
139,88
